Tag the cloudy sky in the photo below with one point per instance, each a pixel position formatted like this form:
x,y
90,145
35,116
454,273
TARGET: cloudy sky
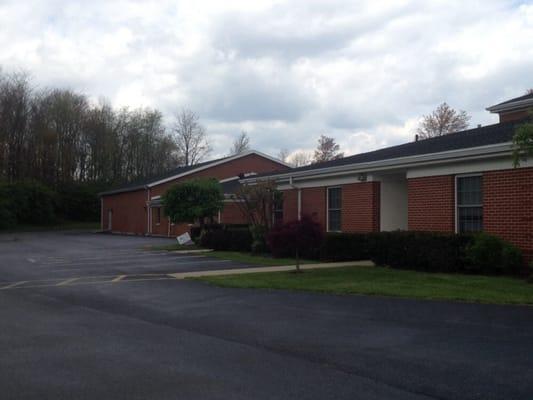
x,y
285,71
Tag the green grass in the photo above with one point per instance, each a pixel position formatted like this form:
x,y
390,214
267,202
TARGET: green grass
x,y
63,226
388,282
248,258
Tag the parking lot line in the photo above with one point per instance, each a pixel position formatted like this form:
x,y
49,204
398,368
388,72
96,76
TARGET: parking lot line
x,y
118,278
67,281
13,285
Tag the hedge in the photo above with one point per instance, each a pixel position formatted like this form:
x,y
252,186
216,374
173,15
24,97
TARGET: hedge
x,y
226,238
27,203
426,251
32,203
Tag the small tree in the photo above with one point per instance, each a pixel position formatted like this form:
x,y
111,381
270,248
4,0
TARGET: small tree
x,y
194,200
523,143
257,203
283,154
295,238
241,144
301,159
442,121
327,150
191,138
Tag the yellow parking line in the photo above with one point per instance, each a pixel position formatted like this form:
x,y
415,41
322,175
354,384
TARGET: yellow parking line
x,y
118,278
13,285
66,282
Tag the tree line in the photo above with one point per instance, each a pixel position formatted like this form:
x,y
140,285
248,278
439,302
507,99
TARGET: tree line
x,y
58,137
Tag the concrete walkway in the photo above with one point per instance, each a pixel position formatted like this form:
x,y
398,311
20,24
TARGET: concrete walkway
x,y
196,274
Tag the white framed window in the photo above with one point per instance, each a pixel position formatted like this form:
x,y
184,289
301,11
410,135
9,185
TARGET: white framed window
x,y
334,208
469,203
158,216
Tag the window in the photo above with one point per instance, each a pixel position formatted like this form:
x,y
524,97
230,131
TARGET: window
x,y
278,211
469,203
158,215
334,209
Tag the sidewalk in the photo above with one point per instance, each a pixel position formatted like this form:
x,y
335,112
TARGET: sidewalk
x,y
239,271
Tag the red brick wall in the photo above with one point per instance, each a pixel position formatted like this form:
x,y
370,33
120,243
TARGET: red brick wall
x,y
130,216
360,207
431,203
290,205
514,116
508,206
232,214
162,227
314,204
129,212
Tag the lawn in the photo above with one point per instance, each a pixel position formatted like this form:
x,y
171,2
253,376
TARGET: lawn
x,y
388,282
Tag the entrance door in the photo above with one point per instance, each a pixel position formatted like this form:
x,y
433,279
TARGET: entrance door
x,y
110,220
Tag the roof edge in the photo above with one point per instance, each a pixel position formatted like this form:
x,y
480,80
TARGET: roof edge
x,y
194,170
510,106
487,151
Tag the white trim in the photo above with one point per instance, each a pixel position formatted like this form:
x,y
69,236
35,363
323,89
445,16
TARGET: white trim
x,y
466,167
214,164
394,163
327,208
299,204
237,177
149,212
512,106
456,177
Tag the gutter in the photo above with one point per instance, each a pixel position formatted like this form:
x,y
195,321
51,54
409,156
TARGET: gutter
x,y
392,163
510,106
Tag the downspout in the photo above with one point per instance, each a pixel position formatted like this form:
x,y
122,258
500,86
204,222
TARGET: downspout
x,y
148,212
292,185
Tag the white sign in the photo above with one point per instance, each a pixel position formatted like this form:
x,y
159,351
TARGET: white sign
x,y
185,239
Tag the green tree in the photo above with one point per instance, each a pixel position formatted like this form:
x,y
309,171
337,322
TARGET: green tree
x,y
194,200
523,143
258,203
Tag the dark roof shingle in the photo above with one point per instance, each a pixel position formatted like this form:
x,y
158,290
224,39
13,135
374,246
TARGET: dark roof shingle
x,y
483,136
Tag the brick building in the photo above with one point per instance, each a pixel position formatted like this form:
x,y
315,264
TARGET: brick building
x,y
460,182
137,208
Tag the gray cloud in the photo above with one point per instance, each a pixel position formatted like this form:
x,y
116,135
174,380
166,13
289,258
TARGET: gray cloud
x,y
285,71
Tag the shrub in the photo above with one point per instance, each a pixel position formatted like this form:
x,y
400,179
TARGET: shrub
x,y
226,238
296,238
28,203
7,219
345,247
78,202
489,254
421,251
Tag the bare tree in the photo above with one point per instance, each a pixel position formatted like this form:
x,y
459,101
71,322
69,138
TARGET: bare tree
x,y
191,138
241,144
283,155
442,121
327,150
300,159
529,91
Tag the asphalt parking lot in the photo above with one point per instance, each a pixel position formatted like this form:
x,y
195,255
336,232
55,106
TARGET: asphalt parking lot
x,y
87,316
